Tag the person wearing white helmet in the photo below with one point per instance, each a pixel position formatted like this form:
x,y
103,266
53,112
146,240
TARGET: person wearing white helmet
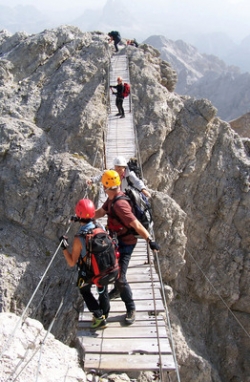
x,y
128,178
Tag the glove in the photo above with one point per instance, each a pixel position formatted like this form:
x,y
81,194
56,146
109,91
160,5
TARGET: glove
x,y
64,241
153,245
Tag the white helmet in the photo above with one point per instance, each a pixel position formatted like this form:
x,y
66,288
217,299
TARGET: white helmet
x,y
120,161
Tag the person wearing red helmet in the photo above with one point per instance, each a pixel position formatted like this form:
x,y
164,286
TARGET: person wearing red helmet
x,y
85,212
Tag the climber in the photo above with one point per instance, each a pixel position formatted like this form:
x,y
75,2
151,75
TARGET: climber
x,y
116,37
127,177
85,212
126,239
119,96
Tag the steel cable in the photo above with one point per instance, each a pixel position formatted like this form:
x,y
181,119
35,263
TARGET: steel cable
x,y
221,298
32,297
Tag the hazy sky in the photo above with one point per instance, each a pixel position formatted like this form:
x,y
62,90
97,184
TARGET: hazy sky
x,y
229,16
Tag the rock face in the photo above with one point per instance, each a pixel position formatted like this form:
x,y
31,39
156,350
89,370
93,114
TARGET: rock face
x,y
54,105
206,76
35,353
242,125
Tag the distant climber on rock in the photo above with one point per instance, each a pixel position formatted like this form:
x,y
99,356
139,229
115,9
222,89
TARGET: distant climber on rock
x,y
133,43
116,37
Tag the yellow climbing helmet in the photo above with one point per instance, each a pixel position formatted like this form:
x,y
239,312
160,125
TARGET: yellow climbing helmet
x,y
111,179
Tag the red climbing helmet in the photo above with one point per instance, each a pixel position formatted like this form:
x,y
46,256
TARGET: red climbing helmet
x,y
85,209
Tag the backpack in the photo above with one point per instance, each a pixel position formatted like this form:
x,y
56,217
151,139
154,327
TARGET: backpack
x,y
126,89
115,34
140,206
100,265
133,166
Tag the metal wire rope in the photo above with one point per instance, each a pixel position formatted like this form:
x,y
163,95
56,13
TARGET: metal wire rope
x,y
159,271
155,312
167,316
221,298
48,331
39,347
32,297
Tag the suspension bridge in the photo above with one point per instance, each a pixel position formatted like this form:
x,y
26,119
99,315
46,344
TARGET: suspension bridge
x,y
146,345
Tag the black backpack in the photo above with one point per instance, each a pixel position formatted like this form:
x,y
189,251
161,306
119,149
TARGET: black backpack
x,y
115,34
140,206
100,265
133,166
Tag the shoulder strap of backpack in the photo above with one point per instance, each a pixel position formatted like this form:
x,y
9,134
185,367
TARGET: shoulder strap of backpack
x,y
129,181
114,215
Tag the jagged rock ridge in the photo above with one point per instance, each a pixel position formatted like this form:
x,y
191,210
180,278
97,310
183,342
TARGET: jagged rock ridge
x,y
206,76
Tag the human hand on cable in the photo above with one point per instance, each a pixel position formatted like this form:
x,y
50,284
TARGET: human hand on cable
x,y
89,182
153,245
64,242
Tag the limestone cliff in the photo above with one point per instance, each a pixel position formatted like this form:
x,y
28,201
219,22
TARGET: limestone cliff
x,y
54,105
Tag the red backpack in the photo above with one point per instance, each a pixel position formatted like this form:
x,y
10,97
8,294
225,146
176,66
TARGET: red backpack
x,y
126,89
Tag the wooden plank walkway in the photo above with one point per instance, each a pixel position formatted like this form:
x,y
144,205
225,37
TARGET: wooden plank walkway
x,y
143,346
120,136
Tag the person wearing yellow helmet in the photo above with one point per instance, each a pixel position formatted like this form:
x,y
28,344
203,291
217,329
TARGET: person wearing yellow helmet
x,y
126,238
111,180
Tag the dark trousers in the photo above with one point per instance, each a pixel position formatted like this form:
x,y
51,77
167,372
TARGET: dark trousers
x,y
119,105
98,308
116,42
121,284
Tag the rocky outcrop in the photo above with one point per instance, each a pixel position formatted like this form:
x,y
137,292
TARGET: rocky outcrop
x,y
35,353
53,102
242,125
206,76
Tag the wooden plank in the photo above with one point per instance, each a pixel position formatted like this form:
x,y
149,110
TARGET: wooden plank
x,y
119,362
126,345
130,331
141,306
135,278
84,325
141,291
142,270
118,319
143,285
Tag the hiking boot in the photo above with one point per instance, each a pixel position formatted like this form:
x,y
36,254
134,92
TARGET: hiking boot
x,y
130,317
99,323
113,294
117,114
